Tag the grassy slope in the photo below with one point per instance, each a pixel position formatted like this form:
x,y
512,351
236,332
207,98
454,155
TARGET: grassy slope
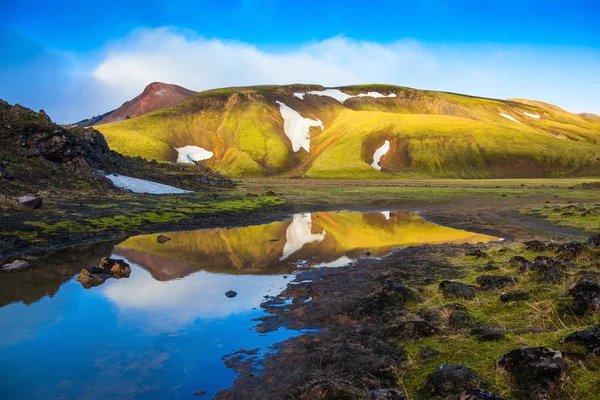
x,y
431,134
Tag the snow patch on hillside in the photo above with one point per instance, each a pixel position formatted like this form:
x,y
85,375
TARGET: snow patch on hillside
x,y
380,152
341,96
386,214
532,115
297,128
189,154
509,117
300,233
142,186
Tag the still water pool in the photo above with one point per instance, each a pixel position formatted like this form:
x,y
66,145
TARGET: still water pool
x,y
163,332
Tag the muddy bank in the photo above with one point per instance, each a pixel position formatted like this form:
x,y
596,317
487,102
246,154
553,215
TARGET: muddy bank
x,y
392,323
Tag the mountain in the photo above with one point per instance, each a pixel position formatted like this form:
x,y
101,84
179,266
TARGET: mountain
x,y
363,132
155,96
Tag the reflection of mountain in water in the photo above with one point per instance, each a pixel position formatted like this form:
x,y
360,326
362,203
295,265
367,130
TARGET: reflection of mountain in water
x,y
325,238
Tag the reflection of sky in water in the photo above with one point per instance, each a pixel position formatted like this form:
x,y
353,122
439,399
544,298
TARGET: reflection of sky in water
x,y
162,332
133,337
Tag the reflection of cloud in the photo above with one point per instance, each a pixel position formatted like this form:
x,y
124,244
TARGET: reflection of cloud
x,y
167,306
340,262
300,233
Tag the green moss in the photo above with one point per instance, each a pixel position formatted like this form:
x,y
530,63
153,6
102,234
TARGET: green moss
x,y
584,216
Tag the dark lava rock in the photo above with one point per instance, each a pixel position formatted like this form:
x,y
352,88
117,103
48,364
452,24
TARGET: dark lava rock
x,y
474,394
16,266
477,253
586,297
330,390
490,267
524,267
385,394
4,171
514,295
536,371
460,320
548,269
428,352
117,268
589,339
393,295
162,239
456,307
491,282
571,251
488,334
457,289
515,260
31,202
593,241
536,246
93,276
415,329
230,294
450,379
270,193
399,290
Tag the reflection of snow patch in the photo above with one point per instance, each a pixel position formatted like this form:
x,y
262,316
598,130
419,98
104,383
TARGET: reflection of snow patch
x,y
386,214
300,233
509,117
142,186
532,115
341,96
380,152
297,128
189,154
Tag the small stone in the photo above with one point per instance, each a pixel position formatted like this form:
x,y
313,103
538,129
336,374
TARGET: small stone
x,y
93,276
449,379
491,282
460,320
514,295
200,393
457,289
31,202
230,294
385,394
488,334
16,265
162,239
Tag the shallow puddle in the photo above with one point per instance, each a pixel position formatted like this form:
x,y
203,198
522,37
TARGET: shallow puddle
x,y
162,332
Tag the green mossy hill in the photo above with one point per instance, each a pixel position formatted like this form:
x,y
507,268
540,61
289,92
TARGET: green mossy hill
x,y
37,154
431,134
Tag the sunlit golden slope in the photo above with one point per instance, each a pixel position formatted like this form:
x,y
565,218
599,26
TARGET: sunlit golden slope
x,y
430,134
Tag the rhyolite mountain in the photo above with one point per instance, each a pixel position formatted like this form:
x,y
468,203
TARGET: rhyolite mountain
x,y
155,96
363,132
36,154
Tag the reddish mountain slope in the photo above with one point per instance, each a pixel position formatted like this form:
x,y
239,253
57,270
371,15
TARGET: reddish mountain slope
x,y
155,96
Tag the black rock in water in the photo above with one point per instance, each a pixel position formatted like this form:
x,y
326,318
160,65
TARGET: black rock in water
x,y
230,294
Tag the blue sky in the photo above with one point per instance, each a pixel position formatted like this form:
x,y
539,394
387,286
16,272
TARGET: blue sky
x,y
76,59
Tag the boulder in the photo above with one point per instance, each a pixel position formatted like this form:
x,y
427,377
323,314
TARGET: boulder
x,y
31,202
589,339
93,276
515,260
16,266
524,267
474,394
571,251
161,239
491,282
514,295
477,253
536,246
586,297
385,394
488,334
448,379
230,294
460,320
117,268
593,241
457,289
415,329
536,371
548,269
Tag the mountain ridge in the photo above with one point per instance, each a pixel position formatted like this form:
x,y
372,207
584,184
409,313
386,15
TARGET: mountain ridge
x,y
306,130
